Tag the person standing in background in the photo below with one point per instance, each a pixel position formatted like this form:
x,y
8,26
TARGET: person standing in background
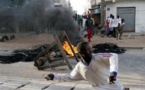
x,y
93,20
118,21
79,21
107,26
110,25
114,23
120,28
89,25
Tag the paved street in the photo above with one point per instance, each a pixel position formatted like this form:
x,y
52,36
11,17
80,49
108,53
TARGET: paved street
x,y
42,31
24,76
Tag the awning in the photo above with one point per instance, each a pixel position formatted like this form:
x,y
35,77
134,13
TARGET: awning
x,y
97,11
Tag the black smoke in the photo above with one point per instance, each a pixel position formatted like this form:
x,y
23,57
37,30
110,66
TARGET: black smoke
x,y
38,16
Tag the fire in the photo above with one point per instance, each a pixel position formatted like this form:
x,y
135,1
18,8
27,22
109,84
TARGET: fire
x,y
67,48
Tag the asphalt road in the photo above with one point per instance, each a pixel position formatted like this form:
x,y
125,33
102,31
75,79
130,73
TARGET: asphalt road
x,y
131,69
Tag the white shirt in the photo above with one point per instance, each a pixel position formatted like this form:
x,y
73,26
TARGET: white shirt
x,y
109,20
122,24
84,23
119,20
114,23
96,73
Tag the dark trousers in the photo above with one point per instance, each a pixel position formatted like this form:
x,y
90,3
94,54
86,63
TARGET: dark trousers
x,y
112,32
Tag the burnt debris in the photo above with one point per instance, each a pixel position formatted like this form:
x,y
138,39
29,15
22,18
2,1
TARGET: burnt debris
x,y
108,47
7,57
20,55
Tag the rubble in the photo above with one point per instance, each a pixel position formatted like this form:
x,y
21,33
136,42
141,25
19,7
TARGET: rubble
x,y
108,47
12,56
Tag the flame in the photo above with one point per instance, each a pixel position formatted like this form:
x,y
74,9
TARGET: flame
x,y
67,48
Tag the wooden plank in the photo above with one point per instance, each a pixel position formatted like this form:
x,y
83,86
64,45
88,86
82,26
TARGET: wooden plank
x,y
48,50
43,53
71,46
62,51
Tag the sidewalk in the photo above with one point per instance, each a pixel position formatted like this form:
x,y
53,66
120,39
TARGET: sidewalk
x,y
129,40
24,76
16,83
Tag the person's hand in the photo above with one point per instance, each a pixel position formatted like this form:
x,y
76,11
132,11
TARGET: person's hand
x,y
112,78
48,76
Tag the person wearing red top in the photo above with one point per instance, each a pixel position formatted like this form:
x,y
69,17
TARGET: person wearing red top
x,y
107,27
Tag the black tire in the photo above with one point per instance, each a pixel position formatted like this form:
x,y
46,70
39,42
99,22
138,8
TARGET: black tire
x,y
4,38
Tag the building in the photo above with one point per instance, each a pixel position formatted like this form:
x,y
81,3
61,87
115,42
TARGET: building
x,y
133,11
95,9
59,3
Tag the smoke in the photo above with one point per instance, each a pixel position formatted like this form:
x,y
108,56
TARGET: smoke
x,y
36,15
80,8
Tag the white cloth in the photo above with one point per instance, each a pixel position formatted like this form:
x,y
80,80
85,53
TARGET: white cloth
x,y
84,24
122,24
97,73
119,20
114,23
109,20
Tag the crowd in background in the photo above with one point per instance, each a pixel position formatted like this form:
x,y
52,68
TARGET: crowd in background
x,y
85,24
113,26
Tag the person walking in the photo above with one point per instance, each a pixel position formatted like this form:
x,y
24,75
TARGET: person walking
x,y
120,28
107,26
114,24
99,69
89,25
110,21
79,21
93,30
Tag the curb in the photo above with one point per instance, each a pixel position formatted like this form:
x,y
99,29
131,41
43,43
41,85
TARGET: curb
x,y
133,47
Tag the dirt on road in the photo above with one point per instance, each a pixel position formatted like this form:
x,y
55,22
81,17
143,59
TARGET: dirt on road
x,y
30,40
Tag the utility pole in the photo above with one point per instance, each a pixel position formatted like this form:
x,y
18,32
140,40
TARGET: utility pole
x,y
103,12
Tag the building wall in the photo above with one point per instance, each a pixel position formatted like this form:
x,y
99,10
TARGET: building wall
x,y
139,15
60,2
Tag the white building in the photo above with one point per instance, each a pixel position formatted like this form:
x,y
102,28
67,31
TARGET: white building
x,y
61,3
133,11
